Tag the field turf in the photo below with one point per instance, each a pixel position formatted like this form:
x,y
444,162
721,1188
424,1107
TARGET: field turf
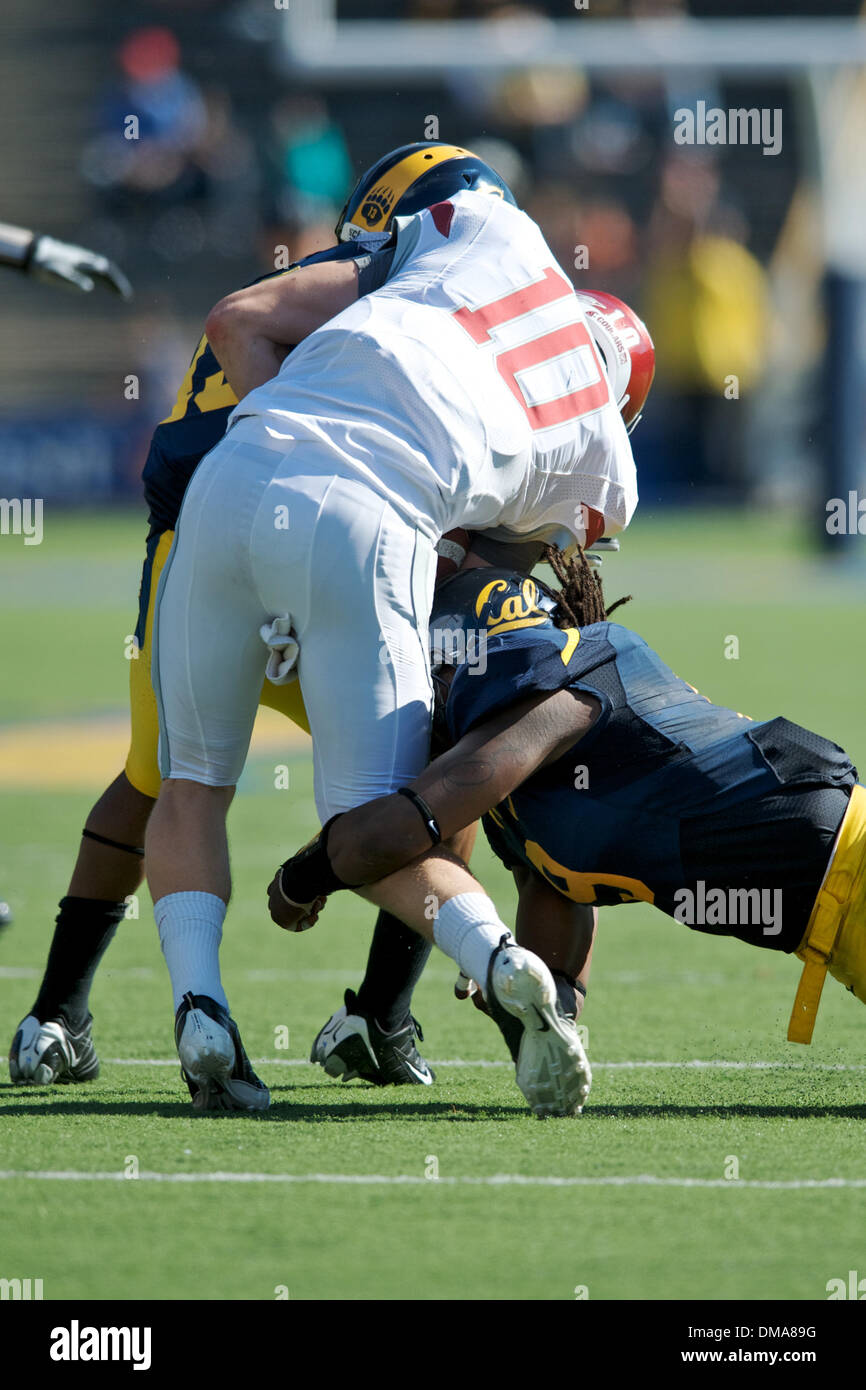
x,y
714,1160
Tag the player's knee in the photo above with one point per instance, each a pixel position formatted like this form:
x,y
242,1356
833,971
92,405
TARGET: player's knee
x,y
188,796
190,786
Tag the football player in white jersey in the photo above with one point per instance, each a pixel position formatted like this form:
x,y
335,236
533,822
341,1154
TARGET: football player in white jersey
x,y
465,392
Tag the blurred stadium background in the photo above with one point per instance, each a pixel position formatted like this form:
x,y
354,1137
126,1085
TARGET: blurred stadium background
x,y
255,118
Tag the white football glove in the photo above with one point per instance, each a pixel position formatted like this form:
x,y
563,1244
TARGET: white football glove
x,y
277,637
59,262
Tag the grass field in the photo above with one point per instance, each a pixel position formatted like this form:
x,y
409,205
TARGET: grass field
x,y
327,1196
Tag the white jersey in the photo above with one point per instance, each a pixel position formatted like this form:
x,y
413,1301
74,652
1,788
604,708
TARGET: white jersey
x,y
467,389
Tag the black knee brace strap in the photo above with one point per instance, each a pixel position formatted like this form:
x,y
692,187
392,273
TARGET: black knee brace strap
x,y
113,844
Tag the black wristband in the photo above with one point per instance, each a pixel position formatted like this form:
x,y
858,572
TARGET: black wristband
x,y
308,874
430,822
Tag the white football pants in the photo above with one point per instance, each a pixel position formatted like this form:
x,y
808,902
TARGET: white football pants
x,y
266,532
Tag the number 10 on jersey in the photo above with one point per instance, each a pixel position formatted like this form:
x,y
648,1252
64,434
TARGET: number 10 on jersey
x,y
562,377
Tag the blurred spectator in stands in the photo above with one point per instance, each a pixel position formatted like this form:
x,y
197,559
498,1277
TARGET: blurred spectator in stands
x,y
537,108
307,175
168,159
309,171
504,158
594,238
226,158
149,122
616,139
282,240
707,308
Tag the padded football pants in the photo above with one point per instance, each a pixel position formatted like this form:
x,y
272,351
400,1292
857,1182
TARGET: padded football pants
x,y
268,532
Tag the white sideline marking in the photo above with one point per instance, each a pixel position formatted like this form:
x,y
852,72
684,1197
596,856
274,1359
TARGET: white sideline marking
x,y
413,1180
714,1064
347,976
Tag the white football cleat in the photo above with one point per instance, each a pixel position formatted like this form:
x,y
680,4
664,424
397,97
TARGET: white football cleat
x,y
552,1068
213,1062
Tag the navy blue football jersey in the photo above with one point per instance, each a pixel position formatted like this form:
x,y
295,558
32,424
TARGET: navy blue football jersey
x,y
205,400
667,794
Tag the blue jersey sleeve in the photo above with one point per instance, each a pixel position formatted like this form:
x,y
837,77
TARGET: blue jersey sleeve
x,y
374,269
511,667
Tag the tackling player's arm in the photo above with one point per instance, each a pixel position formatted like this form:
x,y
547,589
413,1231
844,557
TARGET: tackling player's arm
x,y
486,765
252,330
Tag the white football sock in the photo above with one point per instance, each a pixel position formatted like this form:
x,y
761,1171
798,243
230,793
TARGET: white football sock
x,y
467,928
190,932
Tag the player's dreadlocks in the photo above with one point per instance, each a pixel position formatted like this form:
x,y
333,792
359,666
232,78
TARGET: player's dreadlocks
x,y
581,597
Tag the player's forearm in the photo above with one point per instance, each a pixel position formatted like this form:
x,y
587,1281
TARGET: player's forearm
x,y
16,245
377,839
459,787
252,330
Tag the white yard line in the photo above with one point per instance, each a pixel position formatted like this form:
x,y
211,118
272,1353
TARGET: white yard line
x,y
714,1064
348,977
414,1180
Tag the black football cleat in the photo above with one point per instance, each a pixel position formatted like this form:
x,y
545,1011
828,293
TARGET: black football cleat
x,y
352,1044
43,1054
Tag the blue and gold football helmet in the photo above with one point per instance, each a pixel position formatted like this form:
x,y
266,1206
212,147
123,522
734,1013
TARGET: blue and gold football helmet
x,y
411,178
